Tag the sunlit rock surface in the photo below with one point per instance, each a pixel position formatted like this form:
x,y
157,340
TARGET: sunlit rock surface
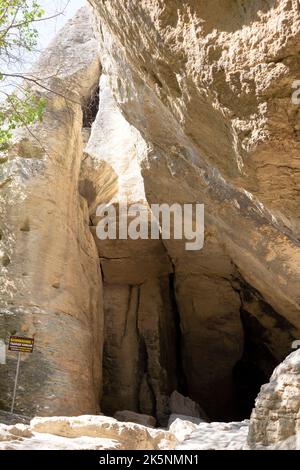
x,y
162,102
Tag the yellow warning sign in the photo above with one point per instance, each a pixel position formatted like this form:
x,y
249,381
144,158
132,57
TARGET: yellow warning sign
x,y
20,344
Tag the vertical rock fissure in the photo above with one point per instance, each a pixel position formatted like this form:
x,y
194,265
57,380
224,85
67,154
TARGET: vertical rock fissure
x,y
181,377
146,395
147,400
90,109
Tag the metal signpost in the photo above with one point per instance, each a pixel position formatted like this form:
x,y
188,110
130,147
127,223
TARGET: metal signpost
x,y
20,345
2,352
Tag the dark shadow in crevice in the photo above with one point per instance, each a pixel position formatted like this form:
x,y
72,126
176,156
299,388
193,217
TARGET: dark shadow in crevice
x,y
90,109
255,367
181,378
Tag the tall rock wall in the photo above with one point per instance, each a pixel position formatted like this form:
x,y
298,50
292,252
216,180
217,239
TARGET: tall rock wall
x,y
191,104
209,86
50,286
139,362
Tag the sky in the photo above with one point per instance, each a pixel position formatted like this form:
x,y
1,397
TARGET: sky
x,y
47,30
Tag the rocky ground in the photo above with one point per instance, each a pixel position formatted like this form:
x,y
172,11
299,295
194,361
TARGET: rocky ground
x,y
104,433
274,424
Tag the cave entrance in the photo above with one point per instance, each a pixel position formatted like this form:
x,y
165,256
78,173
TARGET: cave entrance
x,y
153,345
248,377
145,356
226,337
257,363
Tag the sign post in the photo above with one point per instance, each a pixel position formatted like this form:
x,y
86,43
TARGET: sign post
x,y
16,383
2,352
19,344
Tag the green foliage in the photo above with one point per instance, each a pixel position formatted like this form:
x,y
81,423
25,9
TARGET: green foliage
x,y
16,25
19,112
17,36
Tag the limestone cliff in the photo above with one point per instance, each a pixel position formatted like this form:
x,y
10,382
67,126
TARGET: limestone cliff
x,y
50,276
209,88
161,101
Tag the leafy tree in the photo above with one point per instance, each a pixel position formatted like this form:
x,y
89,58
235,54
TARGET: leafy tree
x,y
18,36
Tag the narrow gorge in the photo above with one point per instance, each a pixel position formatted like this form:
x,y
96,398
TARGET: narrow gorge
x,y
158,102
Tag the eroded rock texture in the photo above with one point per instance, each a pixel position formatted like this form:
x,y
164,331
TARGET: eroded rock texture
x,y
50,284
275,418
191,104
209,86
103,433
139,363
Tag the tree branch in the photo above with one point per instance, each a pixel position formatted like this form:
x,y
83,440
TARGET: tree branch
x,y
36,82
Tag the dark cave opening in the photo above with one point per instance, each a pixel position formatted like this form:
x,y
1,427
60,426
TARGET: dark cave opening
x,y
247,375
257,363
90,109
229,358
248,379
255,367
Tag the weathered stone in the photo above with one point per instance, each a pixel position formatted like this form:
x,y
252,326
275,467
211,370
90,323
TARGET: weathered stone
x,y
275,419
130,435
139,349
130,416
209,89
190,419
17,432
103,433
182,426
180,405
50,285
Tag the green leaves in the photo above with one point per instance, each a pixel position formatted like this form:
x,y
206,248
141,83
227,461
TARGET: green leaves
x,y
17,19
19,112
17,36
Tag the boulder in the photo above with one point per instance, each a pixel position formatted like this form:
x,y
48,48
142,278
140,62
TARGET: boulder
x,y
275,420
139,418
181,405
130,435
182,426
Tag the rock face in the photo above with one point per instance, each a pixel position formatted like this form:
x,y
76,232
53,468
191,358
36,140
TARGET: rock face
x,y
275,418
192,103
209,88
50,285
